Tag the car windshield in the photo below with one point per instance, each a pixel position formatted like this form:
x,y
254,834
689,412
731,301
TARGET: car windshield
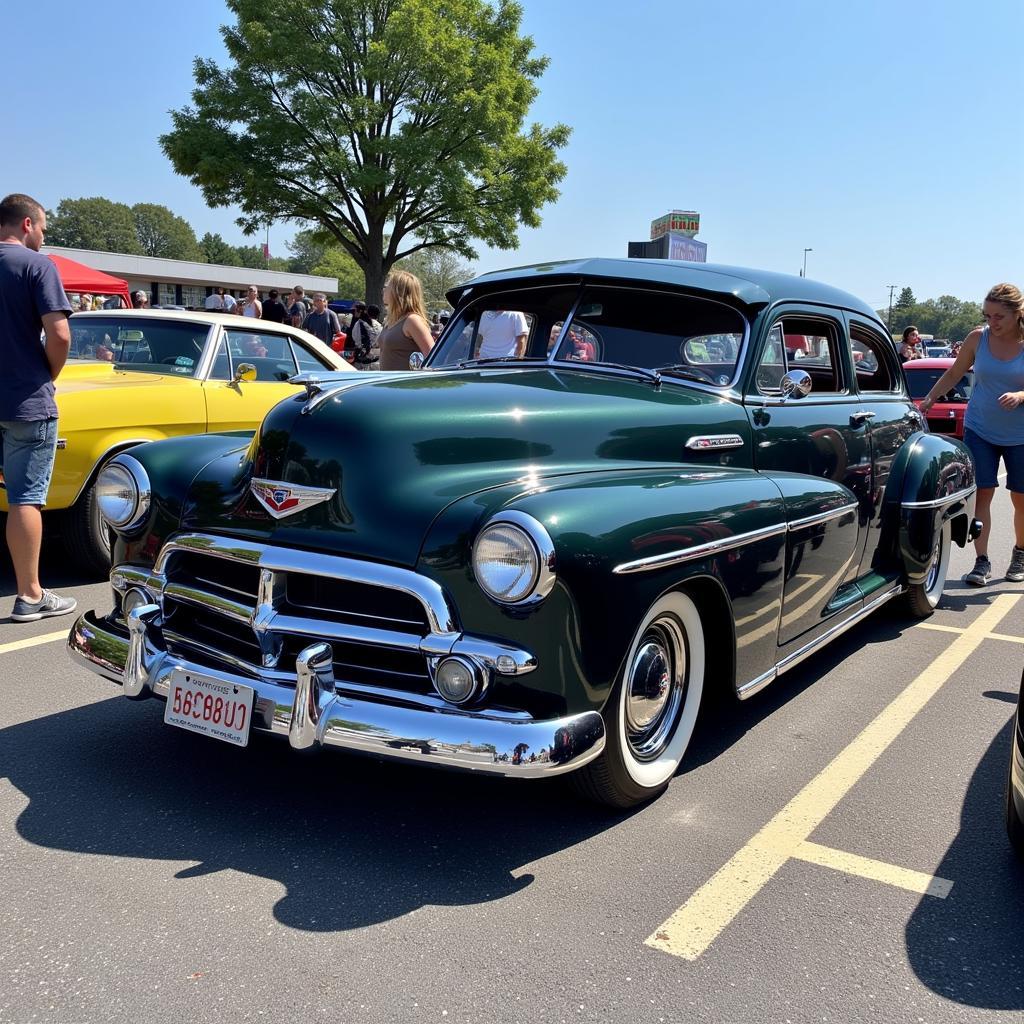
x,y
685,337
148,344
921,382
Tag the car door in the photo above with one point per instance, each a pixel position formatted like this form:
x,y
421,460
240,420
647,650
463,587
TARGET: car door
x,y
241,404
891,417
818,451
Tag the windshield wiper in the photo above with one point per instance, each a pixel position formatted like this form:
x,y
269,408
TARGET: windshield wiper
x,y
487,360
685,371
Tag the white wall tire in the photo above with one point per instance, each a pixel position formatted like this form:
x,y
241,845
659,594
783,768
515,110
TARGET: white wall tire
x,y
922,599
651,715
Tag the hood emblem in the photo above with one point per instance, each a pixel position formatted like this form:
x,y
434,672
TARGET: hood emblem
x,y
281,499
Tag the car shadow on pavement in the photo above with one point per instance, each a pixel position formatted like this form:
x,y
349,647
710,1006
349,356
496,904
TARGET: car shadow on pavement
x,y
969,947
354,841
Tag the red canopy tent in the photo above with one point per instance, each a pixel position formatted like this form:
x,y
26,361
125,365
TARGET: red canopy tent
x,y
77,277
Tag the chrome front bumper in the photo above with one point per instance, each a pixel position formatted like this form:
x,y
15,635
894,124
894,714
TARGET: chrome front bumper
x,y
316,713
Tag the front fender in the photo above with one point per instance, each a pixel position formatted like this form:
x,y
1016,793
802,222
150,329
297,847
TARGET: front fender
x,y
621,540
172,467
932,483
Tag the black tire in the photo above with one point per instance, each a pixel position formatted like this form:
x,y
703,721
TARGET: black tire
x,y
921,599
1014,823
640,757
87,536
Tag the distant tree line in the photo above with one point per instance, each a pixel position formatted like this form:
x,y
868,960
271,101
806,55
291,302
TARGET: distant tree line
x,y
149,229
945,317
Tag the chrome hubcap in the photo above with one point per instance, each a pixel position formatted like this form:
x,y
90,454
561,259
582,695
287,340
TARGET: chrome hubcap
x,y
654,688
933,568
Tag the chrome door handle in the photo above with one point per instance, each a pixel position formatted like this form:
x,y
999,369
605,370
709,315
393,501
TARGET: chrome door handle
x,y
857,418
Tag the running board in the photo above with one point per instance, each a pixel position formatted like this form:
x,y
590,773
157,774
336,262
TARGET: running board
x,y
794,659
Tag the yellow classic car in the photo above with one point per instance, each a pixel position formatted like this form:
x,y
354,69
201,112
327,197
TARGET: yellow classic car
x,y
143,375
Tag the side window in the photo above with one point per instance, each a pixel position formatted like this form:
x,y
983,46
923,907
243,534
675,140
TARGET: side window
x,y
221,363
798,343
872,367
307,362
271,354
772,366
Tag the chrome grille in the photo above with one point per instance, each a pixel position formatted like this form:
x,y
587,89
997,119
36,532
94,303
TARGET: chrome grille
x,y
256,607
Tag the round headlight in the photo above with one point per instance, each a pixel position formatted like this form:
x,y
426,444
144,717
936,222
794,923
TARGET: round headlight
x,y
456,681
513,559
122,492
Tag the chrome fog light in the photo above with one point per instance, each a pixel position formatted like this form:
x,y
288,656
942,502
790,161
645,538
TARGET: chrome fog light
x,y
134,598
457,680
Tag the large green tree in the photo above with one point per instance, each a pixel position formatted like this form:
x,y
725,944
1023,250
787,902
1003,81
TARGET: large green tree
x,y
95,223
216,250
439,270
163,233
393,125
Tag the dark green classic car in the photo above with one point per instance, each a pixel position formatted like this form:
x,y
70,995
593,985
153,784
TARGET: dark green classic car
x,y
693,478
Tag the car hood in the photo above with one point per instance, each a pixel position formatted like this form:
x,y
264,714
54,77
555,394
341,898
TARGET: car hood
x,y
76,377
397,450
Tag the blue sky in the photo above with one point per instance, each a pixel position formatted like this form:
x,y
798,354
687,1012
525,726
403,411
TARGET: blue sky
x,y
886,136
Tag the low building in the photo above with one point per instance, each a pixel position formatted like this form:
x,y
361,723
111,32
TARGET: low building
x,y
184,283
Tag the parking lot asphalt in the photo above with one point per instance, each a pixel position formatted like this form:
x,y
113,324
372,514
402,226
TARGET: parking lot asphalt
x,y
832,849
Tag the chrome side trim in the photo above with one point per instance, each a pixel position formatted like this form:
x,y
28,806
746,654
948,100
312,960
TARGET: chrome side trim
x,y
712,547
822,517
841,627
947,499
748,689
708,442
758,684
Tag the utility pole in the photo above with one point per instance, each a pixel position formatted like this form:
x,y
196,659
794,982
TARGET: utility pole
x,y
888,322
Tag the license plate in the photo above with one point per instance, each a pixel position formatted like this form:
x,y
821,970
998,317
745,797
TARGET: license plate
x,y
210,707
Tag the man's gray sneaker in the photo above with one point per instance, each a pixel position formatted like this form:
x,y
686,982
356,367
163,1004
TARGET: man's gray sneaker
x,y
1015,574
48,605
981,573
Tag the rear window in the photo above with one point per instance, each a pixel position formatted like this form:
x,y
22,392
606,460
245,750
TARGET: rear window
x,y
149,345
922,381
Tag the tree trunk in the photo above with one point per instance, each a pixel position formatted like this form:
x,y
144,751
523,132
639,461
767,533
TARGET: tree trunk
x,y
374,271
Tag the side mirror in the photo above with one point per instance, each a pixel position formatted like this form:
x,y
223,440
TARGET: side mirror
x,y
416,361
244,371
796,384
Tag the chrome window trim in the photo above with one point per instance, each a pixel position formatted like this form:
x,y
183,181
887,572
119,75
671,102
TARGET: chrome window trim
x,y
835,319
936,503
713,547
823,517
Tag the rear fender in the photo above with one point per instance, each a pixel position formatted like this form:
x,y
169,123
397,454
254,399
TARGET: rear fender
x,y
932,483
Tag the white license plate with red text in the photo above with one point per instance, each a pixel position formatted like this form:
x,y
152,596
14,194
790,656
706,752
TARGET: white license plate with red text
x,y
210,706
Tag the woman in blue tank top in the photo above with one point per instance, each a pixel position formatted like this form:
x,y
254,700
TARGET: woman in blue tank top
x,y
994,422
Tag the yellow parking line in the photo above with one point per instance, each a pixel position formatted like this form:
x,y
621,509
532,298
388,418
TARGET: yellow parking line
x,y
703,917
876,870
959,629
33,641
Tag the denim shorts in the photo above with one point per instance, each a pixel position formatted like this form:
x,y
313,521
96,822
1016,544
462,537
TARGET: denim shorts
x,y
28,450
986,462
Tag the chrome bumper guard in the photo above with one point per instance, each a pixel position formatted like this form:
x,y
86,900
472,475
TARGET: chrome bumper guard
x,y
316,713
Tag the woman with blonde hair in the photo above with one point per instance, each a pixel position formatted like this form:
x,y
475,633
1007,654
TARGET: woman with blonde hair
x,y
994,421
408,330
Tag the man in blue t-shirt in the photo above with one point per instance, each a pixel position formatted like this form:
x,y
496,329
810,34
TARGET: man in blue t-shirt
x,y
32,302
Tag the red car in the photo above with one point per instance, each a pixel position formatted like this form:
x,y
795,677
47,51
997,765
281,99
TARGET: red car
x,y
946,416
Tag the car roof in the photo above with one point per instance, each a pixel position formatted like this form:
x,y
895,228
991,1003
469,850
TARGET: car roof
x,y
750,287
229,320
934,363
